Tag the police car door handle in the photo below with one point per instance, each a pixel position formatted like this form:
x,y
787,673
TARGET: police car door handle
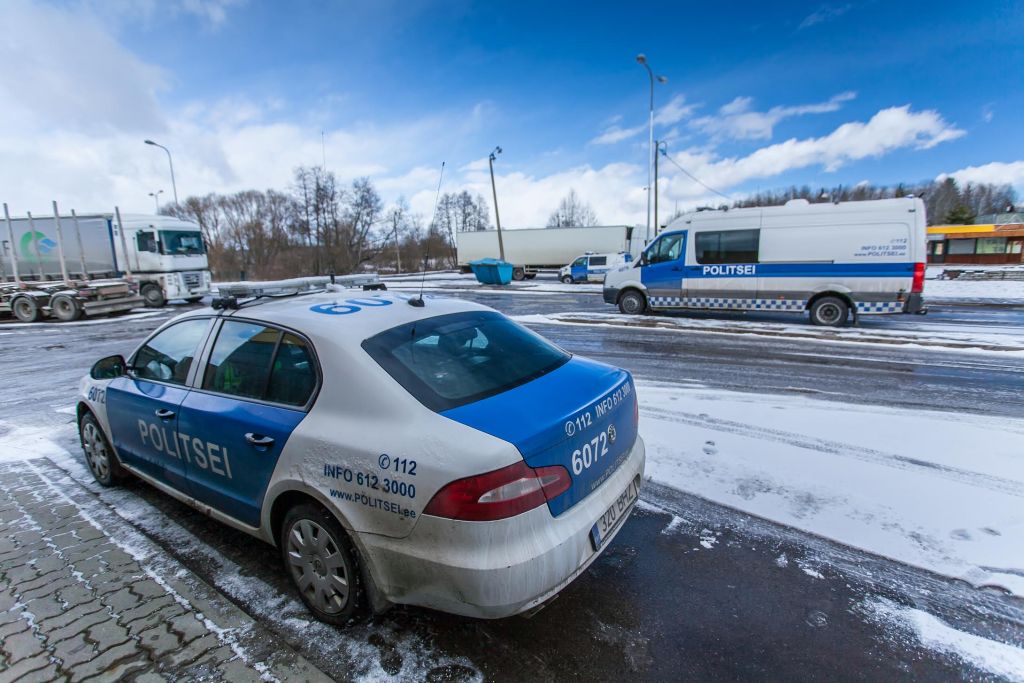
x,y
676,268
257,440
164,414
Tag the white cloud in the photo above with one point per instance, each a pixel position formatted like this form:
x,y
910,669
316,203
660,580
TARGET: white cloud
x,y
211,13
736,120
997,173
614,134
823,14
673,112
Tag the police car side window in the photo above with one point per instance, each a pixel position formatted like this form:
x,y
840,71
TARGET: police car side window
x,y
727,246
168,356
293,375
240,362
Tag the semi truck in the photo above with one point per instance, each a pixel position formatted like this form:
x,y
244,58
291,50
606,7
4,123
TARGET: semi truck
x,y
165,256
530,250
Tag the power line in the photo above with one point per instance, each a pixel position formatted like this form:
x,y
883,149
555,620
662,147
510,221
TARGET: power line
x,y
693,177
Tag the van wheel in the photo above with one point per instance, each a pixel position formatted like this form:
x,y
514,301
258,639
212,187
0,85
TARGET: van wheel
x,y
322,564
518,274
26,309
567,279
154,296
99,456
66,308
633,303
829,311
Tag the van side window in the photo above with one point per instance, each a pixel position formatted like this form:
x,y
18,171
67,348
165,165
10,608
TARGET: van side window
x,y
598,260
581,261
667,248
727,246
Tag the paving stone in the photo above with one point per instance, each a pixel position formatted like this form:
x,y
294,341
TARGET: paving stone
x,y
160,640
147,608
26,666
78,626
74,651
73,613
122,600
188,626
111,664
191,652
23,645
159,617
237,671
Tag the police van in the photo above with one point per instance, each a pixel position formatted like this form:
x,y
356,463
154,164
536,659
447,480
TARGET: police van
x,y
592,267
829,260
396,449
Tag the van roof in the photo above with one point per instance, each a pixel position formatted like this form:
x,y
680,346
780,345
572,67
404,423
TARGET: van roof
x,y
803,208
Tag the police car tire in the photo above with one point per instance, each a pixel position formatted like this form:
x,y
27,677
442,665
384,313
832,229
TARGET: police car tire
x,y
355,606
103,463
567,279
633,302
154,296
829,311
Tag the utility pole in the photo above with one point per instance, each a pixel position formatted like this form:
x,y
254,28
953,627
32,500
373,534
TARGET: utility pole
x,y
494,191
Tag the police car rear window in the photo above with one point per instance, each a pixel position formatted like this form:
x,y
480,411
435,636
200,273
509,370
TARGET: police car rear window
x,y
455,359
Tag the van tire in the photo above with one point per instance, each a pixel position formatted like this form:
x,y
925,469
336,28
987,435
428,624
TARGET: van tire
x,y
830,311
304,559
154,296
567,279
99,456
66,308
26,309
518,274
632,302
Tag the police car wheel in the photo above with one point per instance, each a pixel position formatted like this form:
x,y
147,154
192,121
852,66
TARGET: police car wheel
x,y
632,303
322,564
99,456
567,279
829,311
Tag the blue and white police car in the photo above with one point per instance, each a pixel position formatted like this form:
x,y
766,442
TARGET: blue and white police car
x,y
395,449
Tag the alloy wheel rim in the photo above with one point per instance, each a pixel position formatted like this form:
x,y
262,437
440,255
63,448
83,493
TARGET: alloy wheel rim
x,y
96,452
318,567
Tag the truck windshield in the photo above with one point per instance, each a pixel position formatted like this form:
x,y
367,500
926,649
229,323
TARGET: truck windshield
x,y
459,358
182,242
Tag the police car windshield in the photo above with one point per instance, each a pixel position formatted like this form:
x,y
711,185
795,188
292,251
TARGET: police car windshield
x,y
455,359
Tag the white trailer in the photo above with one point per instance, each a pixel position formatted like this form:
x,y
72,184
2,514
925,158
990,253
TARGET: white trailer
x,y
531,250
829,260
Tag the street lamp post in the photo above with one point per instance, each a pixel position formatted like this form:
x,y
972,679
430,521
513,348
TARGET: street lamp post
x,y
642,60
174,185
494,191
156,199
661,147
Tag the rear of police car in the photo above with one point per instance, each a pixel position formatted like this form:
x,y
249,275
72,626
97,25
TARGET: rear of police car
x,y
503,541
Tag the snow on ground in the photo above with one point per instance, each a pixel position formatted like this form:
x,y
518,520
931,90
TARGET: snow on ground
x,y
954,337
940,491
134,314
915,627
975,291
453,281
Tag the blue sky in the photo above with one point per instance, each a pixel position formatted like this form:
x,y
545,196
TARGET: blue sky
x,y
760,95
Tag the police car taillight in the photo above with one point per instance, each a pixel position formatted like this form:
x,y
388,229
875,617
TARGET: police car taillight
x,y
917,286
499,494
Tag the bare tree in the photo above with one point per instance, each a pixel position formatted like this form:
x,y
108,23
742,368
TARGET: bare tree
x,y
572,212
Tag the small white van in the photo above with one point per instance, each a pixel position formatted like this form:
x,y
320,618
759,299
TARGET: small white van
x,y
832,260
592,267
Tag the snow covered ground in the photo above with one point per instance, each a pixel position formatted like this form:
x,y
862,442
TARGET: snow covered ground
x,y
449,281
986,339
940,491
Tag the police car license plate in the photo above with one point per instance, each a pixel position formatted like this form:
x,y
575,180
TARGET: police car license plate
x,y
615,514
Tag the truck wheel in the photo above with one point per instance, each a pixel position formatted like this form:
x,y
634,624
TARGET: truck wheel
x,y
322,564
829,311
66,308
530,276
518,274
633,303
26,309
567,279
99,456
154,296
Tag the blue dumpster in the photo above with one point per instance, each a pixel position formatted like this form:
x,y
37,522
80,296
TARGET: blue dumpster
x,y
491,271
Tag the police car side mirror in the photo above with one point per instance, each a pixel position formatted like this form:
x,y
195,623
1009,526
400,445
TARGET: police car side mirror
x,y
108,368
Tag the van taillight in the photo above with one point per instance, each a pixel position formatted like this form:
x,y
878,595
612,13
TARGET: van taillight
x,y
917,286
499,494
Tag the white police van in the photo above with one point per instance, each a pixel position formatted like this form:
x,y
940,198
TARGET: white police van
x,y
395,450
592,267
867,258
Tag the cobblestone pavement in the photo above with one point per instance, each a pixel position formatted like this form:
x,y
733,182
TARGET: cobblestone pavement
x,y
85,597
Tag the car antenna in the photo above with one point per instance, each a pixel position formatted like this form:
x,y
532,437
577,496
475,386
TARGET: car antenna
x,y
418,301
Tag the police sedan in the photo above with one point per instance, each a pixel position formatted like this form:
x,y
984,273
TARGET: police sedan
x,y
395,449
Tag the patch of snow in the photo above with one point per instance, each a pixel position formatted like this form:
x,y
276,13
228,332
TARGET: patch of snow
x,y
937,490
782,561
997,658
982,291
26,443
135,314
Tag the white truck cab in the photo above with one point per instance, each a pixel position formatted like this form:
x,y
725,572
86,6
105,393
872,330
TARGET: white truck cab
x,y
166,255
591,267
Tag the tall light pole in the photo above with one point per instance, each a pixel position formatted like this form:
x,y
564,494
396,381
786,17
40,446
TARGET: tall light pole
x,y
642,60
661,147
174,186
156,199
494,191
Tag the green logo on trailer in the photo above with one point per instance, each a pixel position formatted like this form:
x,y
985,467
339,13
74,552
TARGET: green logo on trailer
x,y
46,245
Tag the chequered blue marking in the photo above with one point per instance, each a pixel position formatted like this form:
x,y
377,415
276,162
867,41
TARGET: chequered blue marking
x,y
717,302
876,307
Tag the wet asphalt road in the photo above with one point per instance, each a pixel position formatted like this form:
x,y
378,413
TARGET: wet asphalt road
x,y
763,601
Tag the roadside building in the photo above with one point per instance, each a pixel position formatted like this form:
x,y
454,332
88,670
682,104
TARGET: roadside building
x,y
995,239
